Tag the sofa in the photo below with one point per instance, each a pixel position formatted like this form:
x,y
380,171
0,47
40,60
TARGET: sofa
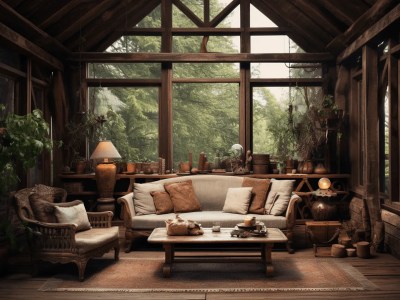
x,y
218,201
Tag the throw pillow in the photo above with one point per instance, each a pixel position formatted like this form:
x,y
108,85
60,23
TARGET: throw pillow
x,y
182,196
43,210
73,215
259,194
278,206
142,198
162,202
237,200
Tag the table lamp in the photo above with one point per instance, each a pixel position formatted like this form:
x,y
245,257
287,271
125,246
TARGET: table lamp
x,y
106,172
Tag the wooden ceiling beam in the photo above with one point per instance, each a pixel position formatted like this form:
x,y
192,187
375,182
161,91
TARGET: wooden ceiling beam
x,y
25,46
224,13
188,13
337,11
202,57
302,36
97,26
95,13
9,16
317,17
390,19
57,15
101,42
374,14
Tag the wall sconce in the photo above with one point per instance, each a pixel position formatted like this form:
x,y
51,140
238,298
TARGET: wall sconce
x,y
106,172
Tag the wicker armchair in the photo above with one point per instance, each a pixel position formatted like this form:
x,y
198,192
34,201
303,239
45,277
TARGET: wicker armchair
x,y
60,242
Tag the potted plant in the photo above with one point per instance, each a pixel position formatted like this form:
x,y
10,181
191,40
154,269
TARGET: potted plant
x,y
22,139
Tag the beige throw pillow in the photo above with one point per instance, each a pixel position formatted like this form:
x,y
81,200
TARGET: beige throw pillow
x,y
142,199
259,194
162,202
73,215
237,200
182,196
277,206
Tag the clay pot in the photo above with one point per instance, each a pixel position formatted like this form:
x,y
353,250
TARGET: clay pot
x,y
80,166
320,169
323,209
307,167
131,167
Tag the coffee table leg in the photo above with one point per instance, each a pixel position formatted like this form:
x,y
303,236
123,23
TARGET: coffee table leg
x,y
267,258
169,257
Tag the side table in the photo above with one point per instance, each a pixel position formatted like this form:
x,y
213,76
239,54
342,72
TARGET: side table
x,y
323,233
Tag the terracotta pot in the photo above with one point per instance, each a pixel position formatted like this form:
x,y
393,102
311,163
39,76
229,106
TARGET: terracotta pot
x,y
307,167
131,167
80,166
320,169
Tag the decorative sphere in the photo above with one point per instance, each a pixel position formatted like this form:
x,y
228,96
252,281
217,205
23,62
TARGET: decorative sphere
x,y
324,183
194,170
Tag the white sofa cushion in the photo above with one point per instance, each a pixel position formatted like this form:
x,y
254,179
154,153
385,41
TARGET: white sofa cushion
x,y
277,205
237,200
143,200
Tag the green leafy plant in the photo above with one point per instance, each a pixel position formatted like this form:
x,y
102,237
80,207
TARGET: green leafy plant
x,y
22,139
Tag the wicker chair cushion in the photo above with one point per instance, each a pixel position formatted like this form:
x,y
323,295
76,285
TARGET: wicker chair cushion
x,y
43,209
73,215
95,238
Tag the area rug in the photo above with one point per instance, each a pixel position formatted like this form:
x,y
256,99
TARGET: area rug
x,y
145,275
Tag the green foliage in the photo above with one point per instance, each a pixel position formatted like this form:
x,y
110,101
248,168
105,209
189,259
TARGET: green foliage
x,y
22,140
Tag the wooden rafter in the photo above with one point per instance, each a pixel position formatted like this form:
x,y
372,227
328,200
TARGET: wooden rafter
x,y
201,57
300,35
110,35
224,13
337,11
318,17
374,14
390,19
192,16
84,20
27,47
9,16
57,15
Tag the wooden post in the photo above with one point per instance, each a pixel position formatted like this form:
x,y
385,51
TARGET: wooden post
x,y
371,161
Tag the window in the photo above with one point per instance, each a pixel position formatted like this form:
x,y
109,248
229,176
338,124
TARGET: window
x,y
205,119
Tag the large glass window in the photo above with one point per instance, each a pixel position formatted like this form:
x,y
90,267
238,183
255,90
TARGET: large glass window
x,y
205,119
131,115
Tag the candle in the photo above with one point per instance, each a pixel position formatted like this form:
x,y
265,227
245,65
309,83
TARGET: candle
x,y
248,221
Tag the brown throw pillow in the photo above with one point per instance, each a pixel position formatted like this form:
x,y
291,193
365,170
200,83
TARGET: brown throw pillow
x,y
43,210
182,196
260,191
162,202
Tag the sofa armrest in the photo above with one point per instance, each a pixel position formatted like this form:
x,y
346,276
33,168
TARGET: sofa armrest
x,y
128,209
291,211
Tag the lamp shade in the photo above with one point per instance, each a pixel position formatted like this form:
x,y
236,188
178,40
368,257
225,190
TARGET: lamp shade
x,y
105,150
324,183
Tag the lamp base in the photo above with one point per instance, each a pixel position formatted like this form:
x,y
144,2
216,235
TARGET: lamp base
x,y
105,204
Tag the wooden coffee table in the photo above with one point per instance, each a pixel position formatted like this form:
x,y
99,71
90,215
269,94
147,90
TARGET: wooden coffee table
x,y
159,235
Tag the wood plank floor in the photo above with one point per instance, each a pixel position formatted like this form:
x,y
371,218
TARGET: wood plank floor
x,y
383,270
